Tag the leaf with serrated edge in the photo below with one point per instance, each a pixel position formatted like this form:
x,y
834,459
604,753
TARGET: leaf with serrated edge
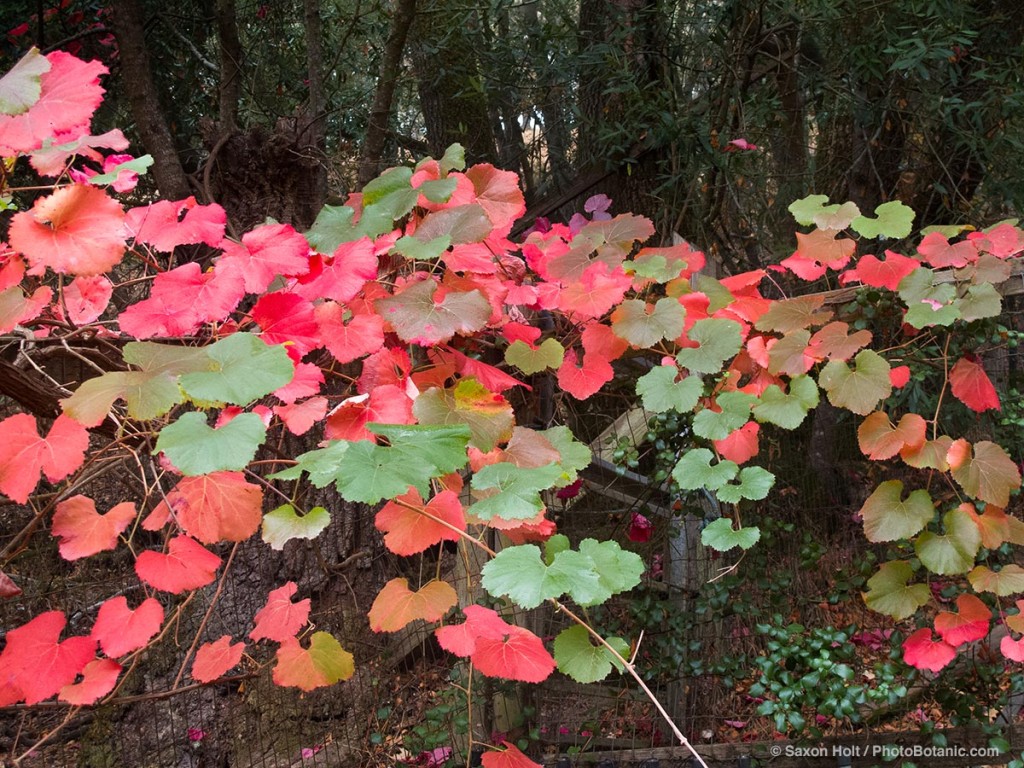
x,y
197,449
888,517
243,368
721,536
396,606
889,593
694,471
718,339
1009,580
283,525
577,657
660,391
953,552
858,390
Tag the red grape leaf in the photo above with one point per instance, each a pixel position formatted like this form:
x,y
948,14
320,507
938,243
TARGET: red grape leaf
x,y
264,253
324,663
520,655
834,342
972,386
286,317
361,335
280,618
583,381
214,659
35,663
85,298
84,531
120,630
76,230
970,624
899,376
220,506
300,417
493,378
510,758
187,565
920,651
24,454
341,278
1012,649
396,605
162,226
881,274
98,679
989,474
386,404
307,381
597,291
407,531
8,588
418,317
499,194
880,440
481,622
937,251
824,247
741,445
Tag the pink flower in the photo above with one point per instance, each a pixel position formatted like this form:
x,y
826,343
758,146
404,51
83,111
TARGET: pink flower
x,y
640,528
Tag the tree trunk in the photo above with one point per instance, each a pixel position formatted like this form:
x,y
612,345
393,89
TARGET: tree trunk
x,y
230,86
311,129
138,83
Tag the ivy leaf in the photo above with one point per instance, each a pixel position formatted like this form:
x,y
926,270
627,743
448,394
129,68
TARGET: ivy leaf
x,y
418,319
84,531
196,448
922,652
577,657
284,524
1009,580
487,414
694,471
734,412
213,660
889,593
986,473
970,624
396,606
718,339
787,410
953,552
754,484
894,220
243,369
888,517
632,321
279,619
972,386
324,663
120,630
530,359
858,390
660,391
517,490
721,536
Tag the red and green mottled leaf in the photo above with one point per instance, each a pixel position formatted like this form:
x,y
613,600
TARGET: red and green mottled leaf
x,y
418,317
970,623
788,315
120,630
280,619
213,660
324,663
836,343
487,414
396,605
931,454
83,531
642,326
889,517
21,87
1008,580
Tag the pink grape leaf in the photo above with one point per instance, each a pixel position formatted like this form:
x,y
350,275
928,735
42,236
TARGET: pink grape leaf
x,y
280,618
187,565
8,588
286,317
922,652
307,381
220,506
1002,241
181,300
939,252
519,655
264,253
386,404
1012,649
741,445
396,606
214,659
300,417
341,277
418,317
407,528
836,343
969,624
120,630
499,194
85,298
69,94
360,335
899,376
324,663
880,440
98,679
162,226
83,531
584,380
52,160
989,474
481,622
511,757
595,293
824,247
493,378
972,386
17,309
881,274
804,268
24,454
77,230
35,663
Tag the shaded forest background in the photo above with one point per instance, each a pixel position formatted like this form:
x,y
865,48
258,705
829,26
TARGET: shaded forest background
x,y
274,108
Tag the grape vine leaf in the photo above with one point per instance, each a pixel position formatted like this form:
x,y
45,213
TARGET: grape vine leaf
x,y
83,531
396,606
213,660
120,630
220,506
617,569
510,757
264,253
531,359
162,226
418,318
21,87
521,574
880,440
632,321
513,493
324,663
981,301
24,454
882,273
195,448
1008,580
733,412
694,470
718,339
280,618
788,315
36,663
283,524
721,536
953,552
986,472
577,657
496,648
922,652
787,409
889,593
754,484
972,386
805,209
243,368
408,525
858,390
487,414
889,517
186,566
99,677
893,220
970,623
660,391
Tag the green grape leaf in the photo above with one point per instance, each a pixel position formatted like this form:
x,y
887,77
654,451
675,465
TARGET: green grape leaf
x,y
21,87
138,165
694,471
321,464
283,524
981,301
333,226
754,484
242,368
151,357
520,574
894,220
197,449
575,456
788,315
557,543
148,395
1009,580
721,536
454,159
719,341
578,658
617,569
632,322
660,391
438,190
419,250
547,355
487,414
718,295
518,490
889,517
734,413
858,390
462,224
953,552
787,410
889,593
805,209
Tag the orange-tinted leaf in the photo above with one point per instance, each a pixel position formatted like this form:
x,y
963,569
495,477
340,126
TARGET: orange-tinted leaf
x,y
511,757
77,230
408,523
741,445
397,606
187,565
519,655
823,246
24,454
98,679
220,506
880,440
280,618
216,658
882,274
120,630
86,297
972,386
995,525
929,455
1016,621
969,624
921,651
989,475
83,531
324,663
35,663
836,343
1009,580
